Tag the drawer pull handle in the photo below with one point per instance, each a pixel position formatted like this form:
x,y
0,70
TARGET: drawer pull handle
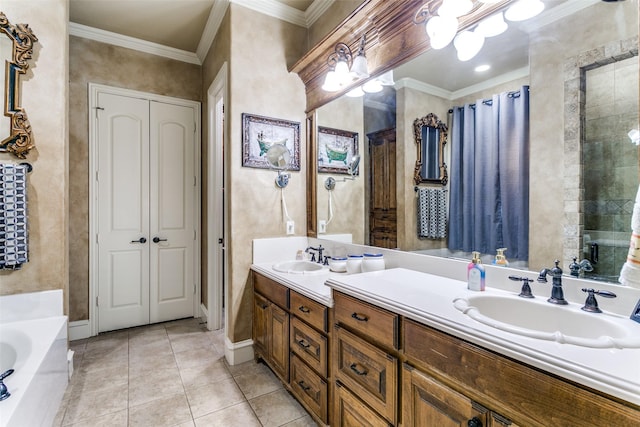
x,y
304,309
360,317
303,344
354,368
474,422
303,386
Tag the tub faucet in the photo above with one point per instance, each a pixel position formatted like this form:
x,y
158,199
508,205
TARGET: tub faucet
x,y
4,393
557,295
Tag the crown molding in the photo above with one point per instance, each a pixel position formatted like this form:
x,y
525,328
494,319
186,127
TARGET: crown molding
x,y
315,11
116,39
211,28
276,10
410,83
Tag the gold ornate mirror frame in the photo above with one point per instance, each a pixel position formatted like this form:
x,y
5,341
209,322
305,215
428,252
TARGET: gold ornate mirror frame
x,y
430,121
19,142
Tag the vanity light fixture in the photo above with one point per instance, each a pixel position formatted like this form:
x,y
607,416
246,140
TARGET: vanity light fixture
x,y
524,9
372,86
441,30
455,8
356,93
342,70
492,26
468,44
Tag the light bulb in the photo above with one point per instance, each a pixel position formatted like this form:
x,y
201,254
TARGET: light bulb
x,y
468,44
492,26
441,30
386,79
359,67
524,9
372,86
455,8
331,82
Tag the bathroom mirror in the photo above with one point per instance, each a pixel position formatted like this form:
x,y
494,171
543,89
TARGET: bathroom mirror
x,y
16,50
278,156
535,55
430,134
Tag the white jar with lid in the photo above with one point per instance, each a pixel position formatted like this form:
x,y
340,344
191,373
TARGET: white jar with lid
x,y
372,262
338,264
354,264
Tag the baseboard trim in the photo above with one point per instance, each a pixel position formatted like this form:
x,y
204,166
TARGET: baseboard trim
x,y
238,352
79,329
204,313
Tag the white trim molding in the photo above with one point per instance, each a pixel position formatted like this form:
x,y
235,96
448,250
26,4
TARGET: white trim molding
x,y
79,329
211,28
116,39
238,352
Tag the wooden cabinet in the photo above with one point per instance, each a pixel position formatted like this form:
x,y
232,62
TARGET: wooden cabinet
x,y
271,325
290,334
426,402
382,198
364,358
349,411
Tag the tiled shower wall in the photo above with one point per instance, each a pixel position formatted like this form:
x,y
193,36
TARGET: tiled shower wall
x,y
610,163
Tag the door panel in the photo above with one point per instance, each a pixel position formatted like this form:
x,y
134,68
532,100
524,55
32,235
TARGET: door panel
x,y
123,212
172,173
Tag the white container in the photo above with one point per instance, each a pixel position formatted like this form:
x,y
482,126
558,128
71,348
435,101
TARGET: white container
x,y
354,264
338,264
372,262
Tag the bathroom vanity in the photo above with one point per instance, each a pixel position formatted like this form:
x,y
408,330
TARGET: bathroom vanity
x,y
390,348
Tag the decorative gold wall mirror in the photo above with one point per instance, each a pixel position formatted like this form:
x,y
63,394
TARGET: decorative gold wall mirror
x,y
16,50
431,136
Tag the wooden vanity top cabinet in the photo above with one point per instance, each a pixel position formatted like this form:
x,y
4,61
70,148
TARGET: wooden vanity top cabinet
x,y
518,392
290,334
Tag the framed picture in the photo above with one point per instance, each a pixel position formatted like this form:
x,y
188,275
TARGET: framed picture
x,y
336,148
260,133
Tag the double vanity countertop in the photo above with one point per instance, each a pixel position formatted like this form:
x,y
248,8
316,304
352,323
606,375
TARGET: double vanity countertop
x,y
429,299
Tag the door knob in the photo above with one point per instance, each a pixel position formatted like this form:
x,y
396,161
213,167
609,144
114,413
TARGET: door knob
x,y
140,240
157,239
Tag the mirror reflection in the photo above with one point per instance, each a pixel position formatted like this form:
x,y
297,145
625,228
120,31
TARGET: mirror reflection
x,y
532,53
431,136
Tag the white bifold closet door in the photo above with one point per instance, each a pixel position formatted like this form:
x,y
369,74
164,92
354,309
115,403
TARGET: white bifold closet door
x,y
146,190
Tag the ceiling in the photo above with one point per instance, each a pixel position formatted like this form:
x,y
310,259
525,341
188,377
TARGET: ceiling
x,y
178,24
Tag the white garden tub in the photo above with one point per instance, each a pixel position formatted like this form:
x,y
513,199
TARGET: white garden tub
x,y
37,351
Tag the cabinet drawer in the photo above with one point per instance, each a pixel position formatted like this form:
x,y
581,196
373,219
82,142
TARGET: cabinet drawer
x,y
274,291
310,311
375,323
349,411
309,388
367,371
310,345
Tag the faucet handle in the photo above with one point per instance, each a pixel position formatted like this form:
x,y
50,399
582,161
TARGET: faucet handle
x,y
525,292
591,304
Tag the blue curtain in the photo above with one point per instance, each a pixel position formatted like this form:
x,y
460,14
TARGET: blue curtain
x,y
489,205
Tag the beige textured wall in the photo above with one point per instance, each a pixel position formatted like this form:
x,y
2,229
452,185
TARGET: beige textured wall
x,y
219,53
600,23
410,105
95,62
44,98
347,198
259,84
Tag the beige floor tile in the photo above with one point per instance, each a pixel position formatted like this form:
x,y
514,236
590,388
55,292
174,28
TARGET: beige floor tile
x,y
236,415
190,423
201,356
101,363
116,419
210,372
305,421
257,383
150,362
94,404
168,411
156,384
276,408
213,397
180,343
99,379
246,368
185,326
217,338
160,346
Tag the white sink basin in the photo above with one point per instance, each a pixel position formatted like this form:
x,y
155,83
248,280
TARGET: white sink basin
x,y
536,318
300,267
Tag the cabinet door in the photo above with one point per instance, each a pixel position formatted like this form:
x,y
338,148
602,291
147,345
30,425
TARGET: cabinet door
x,y
349,411
260,324
279,342
426,402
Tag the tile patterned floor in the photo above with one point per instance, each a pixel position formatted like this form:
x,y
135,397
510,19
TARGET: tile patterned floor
x,y
172,374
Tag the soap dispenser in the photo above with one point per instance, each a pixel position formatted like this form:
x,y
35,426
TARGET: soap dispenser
x,y
501,259
475,273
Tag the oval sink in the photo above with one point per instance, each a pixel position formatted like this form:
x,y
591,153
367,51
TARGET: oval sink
x,y
300,267
536,318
